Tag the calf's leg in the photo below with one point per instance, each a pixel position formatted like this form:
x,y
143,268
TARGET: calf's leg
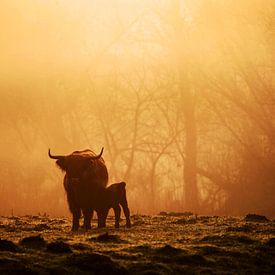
x,y
101,217
117,211
126,211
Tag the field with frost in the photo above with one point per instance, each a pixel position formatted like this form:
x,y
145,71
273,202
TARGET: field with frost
x,y
169,243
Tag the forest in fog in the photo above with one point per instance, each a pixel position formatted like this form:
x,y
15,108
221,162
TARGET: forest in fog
x,y
180,93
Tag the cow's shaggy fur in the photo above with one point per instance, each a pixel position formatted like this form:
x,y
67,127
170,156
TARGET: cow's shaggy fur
x,y
86,173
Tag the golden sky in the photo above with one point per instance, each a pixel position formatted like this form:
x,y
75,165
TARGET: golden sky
x,y
48,35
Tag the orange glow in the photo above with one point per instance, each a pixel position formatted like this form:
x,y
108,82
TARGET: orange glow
x,y
180,94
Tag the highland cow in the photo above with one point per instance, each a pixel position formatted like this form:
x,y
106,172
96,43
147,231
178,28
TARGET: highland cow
x,y
86,173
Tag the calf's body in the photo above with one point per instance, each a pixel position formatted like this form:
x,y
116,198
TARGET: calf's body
x,y
113,196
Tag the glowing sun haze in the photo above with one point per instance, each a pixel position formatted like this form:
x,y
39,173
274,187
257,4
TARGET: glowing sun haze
x,y
47,36
179,92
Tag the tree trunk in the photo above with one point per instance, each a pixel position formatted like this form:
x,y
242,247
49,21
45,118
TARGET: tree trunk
x,y
190,164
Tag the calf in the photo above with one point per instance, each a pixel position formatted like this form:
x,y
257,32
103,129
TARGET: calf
x,y
113,196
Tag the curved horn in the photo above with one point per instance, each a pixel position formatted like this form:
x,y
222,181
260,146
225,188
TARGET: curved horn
x,y
98,156
54,157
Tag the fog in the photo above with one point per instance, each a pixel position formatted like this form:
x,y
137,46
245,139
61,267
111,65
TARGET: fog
x,y
180,94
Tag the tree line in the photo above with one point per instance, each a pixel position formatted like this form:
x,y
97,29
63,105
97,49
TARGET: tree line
x,y
182,99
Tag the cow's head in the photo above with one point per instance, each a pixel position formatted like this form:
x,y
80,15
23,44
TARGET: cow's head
x,y
76,163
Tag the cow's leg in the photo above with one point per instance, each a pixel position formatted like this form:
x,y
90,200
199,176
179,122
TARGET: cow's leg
x,y
117,211
74,208
76,216
126,211
88,214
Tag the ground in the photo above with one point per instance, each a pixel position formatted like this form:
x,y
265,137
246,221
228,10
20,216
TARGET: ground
x,y
169,243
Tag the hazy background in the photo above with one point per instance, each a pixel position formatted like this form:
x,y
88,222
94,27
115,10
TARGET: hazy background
x,y
180,93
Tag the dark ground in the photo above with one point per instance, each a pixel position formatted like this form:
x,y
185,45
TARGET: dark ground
x,y
172,243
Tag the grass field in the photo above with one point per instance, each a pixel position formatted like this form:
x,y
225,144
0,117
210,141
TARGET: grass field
x,y
163,244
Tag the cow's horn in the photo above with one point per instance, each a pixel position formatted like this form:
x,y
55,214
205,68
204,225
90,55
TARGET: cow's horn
x,y
98,156
54,157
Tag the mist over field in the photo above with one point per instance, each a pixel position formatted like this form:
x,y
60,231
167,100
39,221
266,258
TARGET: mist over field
x,y
179,93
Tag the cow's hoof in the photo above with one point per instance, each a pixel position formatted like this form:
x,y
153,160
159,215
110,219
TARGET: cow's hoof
x,y
75,228
101,226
